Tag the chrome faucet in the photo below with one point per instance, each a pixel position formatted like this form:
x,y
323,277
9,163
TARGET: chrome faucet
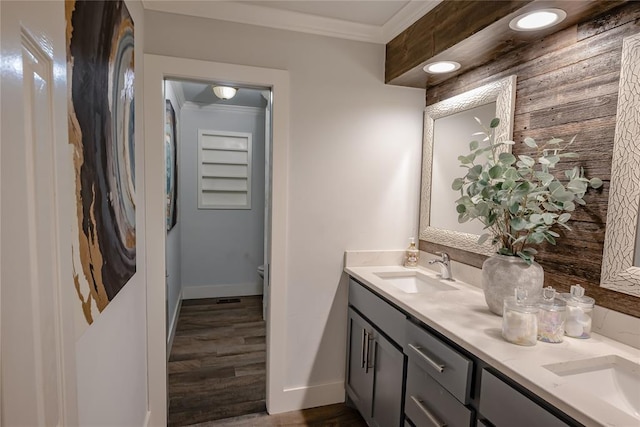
x,y
445,265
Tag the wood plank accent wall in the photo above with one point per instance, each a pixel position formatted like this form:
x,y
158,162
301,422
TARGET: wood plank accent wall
x,y
567,84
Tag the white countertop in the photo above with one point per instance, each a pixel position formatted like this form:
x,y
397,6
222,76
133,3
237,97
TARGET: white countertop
x,y
462,315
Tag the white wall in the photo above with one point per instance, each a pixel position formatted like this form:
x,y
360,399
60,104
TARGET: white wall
x,y
354,171
111,354
173,256
221,248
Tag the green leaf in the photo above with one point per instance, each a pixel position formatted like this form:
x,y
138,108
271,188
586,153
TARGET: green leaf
x,y
494,123
548,218
473,145
577,186
518,224
545,178
514,208
555,141
528,161
530,142
495,171
549,238
507,159
531,251
536,238
564,217
595,182
536,218
474,173
505,251
508,184
569,155
525,257
457,184
464,160
483,238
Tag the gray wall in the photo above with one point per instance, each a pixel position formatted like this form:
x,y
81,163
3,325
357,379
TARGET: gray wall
x,y
221,248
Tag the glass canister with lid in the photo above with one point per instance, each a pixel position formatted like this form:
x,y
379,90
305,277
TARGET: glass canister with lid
x,y
551,316
579,312
520,319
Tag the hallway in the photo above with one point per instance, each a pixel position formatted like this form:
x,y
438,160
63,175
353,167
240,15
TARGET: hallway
x,y
217,363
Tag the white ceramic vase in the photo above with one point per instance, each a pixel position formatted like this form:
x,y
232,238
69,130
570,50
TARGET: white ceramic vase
x,y
502,274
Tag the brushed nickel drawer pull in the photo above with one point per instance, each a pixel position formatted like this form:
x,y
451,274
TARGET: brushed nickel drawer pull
x,y
427,412
364,337
418,349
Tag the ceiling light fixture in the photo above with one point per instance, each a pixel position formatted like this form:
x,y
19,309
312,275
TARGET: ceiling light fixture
x,y
537,20
224,92
441,67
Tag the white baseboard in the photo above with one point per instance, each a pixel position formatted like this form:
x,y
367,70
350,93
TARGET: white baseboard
x,y
174,324
295,399
146,419
218,291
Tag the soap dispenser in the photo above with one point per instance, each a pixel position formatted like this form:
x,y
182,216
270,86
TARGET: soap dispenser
x,y
411,254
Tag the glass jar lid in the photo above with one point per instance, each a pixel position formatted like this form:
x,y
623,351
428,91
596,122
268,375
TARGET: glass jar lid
x,y
577,298
521,302
549,302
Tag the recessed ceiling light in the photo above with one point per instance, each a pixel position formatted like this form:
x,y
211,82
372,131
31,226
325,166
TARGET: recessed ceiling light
x,y
537,20
441,67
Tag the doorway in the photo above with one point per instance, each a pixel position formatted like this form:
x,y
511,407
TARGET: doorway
x,y
217,150
157,69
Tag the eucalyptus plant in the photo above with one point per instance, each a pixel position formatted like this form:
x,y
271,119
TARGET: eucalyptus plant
x,y
519,200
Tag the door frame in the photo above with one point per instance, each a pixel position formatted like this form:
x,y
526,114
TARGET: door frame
x,y
156,69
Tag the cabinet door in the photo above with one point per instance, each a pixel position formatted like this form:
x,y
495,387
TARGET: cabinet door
x,y
359,377
388,363
504,406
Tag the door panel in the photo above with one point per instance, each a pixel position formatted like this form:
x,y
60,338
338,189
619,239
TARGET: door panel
x,y
359,378
36,348
387,392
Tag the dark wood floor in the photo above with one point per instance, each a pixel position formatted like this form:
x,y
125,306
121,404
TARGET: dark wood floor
x,y
217,370
326,416
217,363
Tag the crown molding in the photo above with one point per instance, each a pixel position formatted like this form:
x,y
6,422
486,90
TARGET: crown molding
x,y
295,21
218,108
406,16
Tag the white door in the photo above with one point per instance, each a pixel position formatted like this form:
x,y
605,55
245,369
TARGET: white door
x,y
36,326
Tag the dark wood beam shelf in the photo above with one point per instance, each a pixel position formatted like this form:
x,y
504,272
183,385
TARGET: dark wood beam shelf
x,y
473,33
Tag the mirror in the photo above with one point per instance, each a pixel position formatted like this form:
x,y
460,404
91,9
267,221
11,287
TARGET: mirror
x,y
448,129
620,262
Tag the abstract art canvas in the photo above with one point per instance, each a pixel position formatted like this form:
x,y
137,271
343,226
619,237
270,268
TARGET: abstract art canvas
x,y
100,78
170,153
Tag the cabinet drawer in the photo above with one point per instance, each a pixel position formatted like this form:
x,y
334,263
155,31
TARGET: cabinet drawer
x,y
504,406
448,367
382,314
428,404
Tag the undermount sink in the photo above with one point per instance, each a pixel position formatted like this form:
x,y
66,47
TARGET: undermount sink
x,y
611,378
413,282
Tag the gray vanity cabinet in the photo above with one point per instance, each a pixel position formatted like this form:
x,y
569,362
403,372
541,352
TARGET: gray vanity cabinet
x,y
437,383
504,406
375,365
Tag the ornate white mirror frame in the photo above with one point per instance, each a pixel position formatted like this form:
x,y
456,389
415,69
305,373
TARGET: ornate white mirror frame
x,y
618,271
502,92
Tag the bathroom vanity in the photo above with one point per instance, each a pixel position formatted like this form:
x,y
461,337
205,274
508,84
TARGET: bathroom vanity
x,y
427,352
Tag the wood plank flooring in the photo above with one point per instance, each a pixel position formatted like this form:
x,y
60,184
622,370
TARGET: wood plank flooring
x,y
217,370
217,364
326,416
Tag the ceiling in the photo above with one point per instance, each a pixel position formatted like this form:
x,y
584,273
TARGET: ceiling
x,y
202,94
375,21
